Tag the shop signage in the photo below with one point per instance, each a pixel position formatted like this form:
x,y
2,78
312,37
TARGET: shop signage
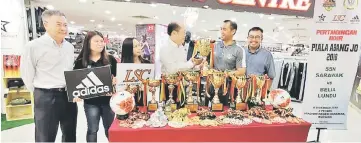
x,y
333,60
302,5
284,7
88,83
134,74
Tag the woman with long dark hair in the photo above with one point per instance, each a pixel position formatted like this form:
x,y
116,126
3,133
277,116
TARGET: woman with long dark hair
x,y
92,55
132,52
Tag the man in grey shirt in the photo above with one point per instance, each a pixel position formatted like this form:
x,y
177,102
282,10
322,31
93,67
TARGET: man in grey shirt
x,y
228,56
259,60
42,69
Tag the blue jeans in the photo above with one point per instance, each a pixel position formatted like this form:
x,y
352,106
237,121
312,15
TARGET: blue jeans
x,y
93,114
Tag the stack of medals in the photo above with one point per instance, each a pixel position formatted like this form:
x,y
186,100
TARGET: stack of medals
x,y
135,120
259,115
286,114
235,117
179,118
207,118
157,119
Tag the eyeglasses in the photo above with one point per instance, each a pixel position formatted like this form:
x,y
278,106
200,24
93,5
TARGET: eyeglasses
x,y
254,37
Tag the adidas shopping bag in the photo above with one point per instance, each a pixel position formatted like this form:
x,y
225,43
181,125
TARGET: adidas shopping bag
x,y
88,83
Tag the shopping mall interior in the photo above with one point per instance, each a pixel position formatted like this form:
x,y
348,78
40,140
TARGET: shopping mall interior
x,y
286,36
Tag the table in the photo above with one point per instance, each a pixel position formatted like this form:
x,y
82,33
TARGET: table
x,y
254,132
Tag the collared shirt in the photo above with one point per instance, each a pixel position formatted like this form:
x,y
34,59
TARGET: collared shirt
x,y
44,61
229,57
260,63
173,58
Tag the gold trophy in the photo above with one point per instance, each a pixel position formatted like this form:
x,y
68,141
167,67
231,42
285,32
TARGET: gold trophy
x,y
240,83
192,77
204,48
133,89
153,104
260,83
217,79
171,79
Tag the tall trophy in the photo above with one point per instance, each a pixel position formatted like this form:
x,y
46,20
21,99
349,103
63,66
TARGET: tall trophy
x,y
204,48
171,79
217,79
133,89
153,103
192,77
240,83
257,83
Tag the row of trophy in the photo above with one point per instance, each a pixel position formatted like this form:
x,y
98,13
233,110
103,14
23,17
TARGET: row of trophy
x,y
249,90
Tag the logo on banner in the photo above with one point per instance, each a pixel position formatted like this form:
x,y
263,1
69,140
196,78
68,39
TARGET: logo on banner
x,y
90,85
321,18
339,18
329,4
150,28
355,19
3,24
350,4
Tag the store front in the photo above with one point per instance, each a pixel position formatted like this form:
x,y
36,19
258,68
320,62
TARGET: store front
x,y
310,42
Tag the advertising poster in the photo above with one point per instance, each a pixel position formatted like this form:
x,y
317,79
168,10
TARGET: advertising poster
x,y
356,89
146,36
333,60
88,83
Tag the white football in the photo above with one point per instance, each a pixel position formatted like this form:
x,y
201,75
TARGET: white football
x,y
122,103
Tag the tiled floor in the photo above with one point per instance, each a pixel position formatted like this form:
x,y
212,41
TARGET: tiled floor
x,y
352,134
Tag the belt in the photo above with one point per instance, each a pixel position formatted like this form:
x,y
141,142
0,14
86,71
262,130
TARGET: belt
x,y
53,89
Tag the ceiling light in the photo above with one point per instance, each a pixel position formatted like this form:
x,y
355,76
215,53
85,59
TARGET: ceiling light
x,y
206,6
100,26
72,22
127,0
271,18
155,17
277,23
245,25
140,22
234,19
119,24
205,30
121,28
281,27
174,12
153,5
203,20
50,7
218,26
92,20
112,19
260,15
108,12
83,1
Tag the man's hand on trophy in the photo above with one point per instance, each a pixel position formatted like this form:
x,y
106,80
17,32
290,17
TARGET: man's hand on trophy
x,y
196,61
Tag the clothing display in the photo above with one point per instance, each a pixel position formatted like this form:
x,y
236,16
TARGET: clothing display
x,y
290,76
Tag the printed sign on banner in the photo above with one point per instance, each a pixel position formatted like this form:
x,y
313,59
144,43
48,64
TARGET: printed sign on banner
x,y
333,59
133,74
88,83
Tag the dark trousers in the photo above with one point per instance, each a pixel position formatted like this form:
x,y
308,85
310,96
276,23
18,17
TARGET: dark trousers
x,y
93,113
50,109
224,99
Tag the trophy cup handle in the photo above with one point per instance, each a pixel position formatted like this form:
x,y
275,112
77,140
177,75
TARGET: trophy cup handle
x,y
225,91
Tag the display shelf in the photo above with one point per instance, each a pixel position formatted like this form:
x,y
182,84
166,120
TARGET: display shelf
x,y
14,106
17,112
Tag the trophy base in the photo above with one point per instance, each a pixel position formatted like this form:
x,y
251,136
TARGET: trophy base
x,y
192,107
122,117
217,107
152,106
241,106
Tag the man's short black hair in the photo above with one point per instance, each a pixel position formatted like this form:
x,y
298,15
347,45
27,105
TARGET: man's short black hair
x,y
233,25
255,29
173,27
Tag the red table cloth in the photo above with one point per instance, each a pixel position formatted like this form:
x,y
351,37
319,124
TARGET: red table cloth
x,y
254,132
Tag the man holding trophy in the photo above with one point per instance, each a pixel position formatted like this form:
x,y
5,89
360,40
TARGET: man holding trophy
x,y
260,65
229,59
173,59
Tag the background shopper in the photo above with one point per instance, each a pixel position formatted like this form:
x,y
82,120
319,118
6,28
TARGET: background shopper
x,y
42,69
92,55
